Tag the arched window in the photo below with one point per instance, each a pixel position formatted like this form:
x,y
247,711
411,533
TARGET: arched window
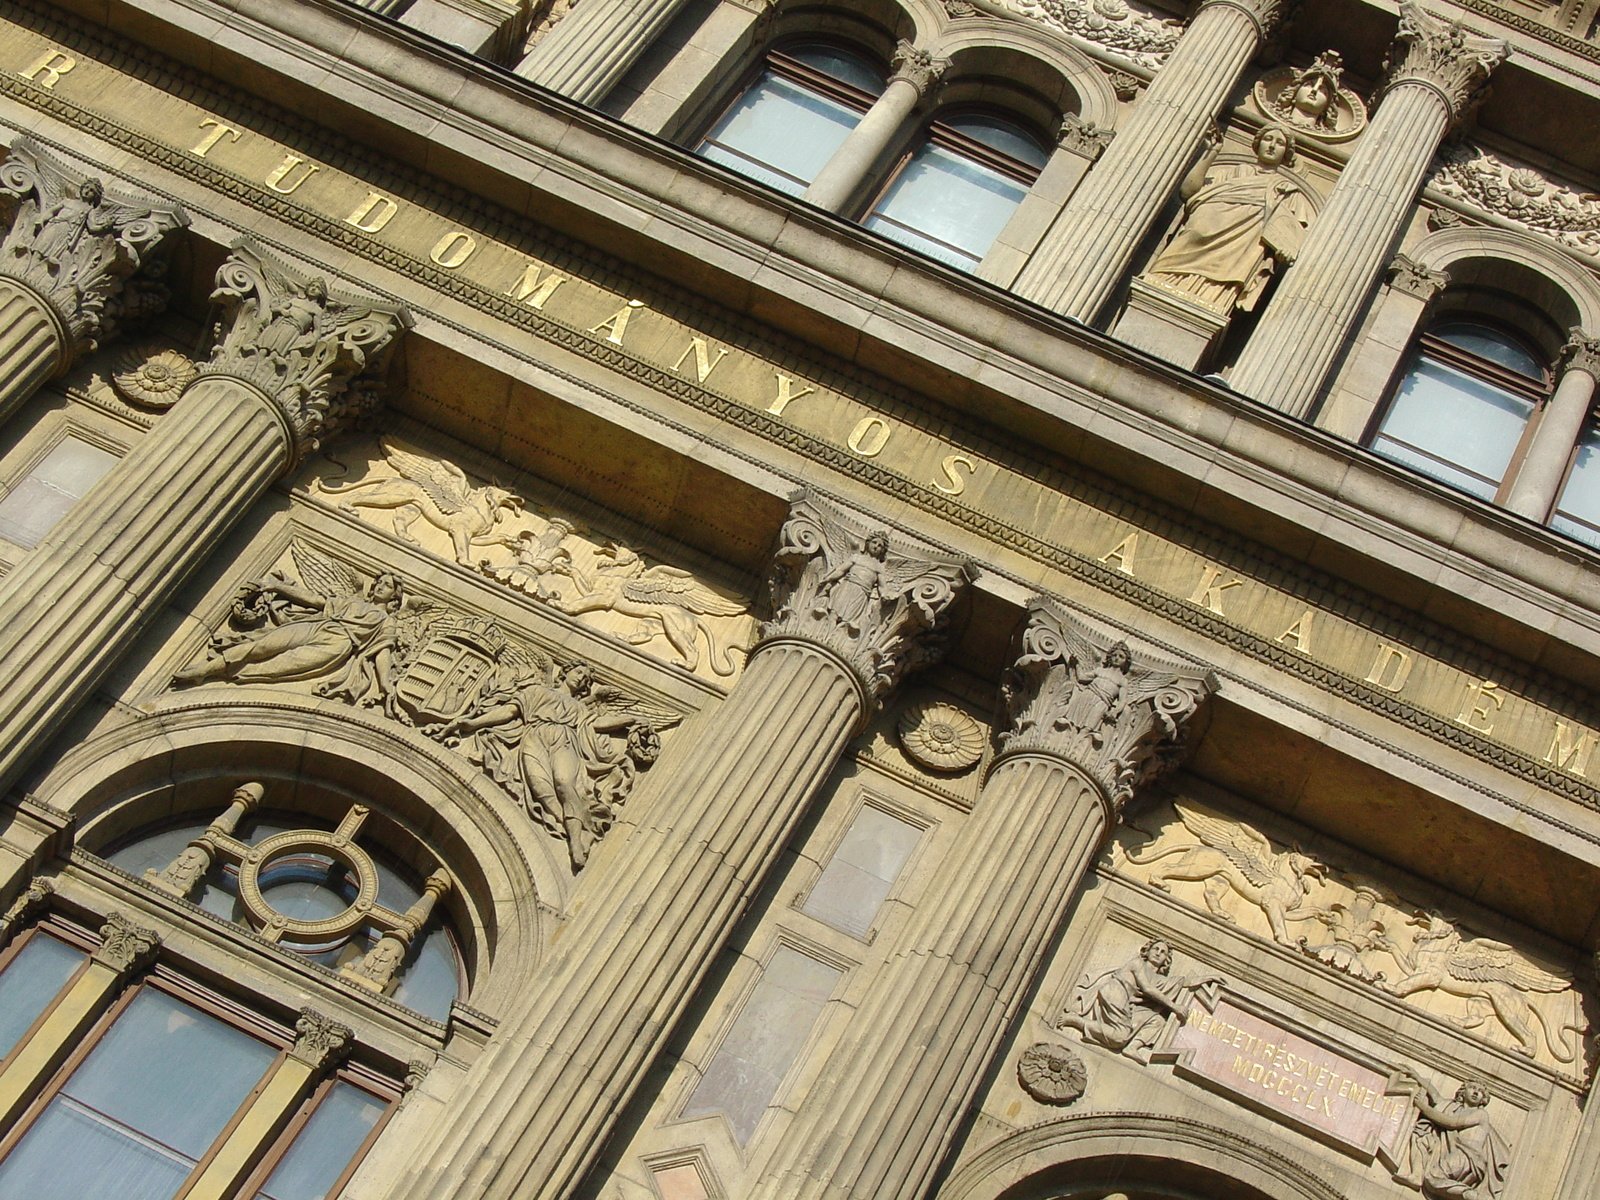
x,y
1461,410
784,127
1577,510
955,191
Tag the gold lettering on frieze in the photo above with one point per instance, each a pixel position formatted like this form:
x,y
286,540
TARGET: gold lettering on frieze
x,y
869,437
1208,592
453,249
1390,669
957,484
534,288
1298,634
1475,708
704,364
1568,752
52,64
616,325
787,394
278,181
1122,554
217,131
373,213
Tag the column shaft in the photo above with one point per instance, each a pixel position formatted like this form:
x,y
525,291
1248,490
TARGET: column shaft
x,y
595,45
1089,249
77,601
32,345
924,1035
715,817
1539,479
856,156
1296,345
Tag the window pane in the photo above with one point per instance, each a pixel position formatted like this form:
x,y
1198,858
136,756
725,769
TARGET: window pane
x,y
851,889
947,206
142,1109
1493,345
1453,427
839,64
780,133
46,493
1578,511
325,1145
35,975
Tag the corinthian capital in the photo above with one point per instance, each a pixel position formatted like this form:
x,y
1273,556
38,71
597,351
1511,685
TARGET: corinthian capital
x,y
917,67
92,256
1121,718
320,1041
1582,352
124,946
881,607
320,358
1442,55
1269,15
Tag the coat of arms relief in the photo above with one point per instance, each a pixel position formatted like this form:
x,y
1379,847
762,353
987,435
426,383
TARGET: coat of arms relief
x,y
552,557
1360,927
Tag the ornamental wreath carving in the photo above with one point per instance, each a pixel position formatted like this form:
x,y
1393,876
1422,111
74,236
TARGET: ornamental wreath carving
x,y
1520,195
567,747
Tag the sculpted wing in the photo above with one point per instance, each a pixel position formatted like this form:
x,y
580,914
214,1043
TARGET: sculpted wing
x,y
445,483
1244,846
322,574
672,586
607,700
1483,960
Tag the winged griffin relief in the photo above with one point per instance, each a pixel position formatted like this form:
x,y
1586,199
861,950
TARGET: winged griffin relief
x,y
565,746
660,607
1359,928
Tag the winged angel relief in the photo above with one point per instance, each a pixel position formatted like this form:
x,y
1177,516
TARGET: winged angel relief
x,y
565,746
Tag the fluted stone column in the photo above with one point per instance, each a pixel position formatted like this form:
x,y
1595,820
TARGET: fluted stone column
x,y
713,816
916,72
1436,71
1545,465
1583,1166
594,45
279,380
1090,248
1087,725
76,265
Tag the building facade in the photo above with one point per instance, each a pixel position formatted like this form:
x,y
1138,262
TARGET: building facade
x,y
628,599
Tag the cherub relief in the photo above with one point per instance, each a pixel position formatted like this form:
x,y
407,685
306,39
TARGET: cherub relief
x,y
1454,1152
1234,857
1126,1008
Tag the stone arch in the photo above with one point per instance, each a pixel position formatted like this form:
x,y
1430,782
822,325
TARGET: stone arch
x,y
1130,1152
1061,75
191,748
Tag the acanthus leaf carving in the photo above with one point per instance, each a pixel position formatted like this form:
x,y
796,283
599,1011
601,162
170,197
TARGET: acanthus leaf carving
x,y
318,358
1520,195
30,902
1582,352
320,1041
917,67
565,746
882,610
1084,137
124,946
1443,55
1122,719
1411,277
94,257
1112,25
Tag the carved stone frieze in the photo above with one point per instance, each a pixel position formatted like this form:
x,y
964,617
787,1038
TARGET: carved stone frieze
x,y
881,608
917,67
939,736
565,746
1052,1073
1084,137
1121,718
320,1041
1126,1008
956,9
1454,1151
1411,277
95,257
1521,195
1357,926
1312,100
1582,353
430,502
1108,24
124,946
320,359
1444,56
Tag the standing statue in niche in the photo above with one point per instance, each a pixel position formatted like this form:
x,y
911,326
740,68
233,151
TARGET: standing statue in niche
x,y
1240,221
1126,1008
1454,1152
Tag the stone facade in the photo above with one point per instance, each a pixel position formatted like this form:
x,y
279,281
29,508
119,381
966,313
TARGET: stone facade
x,y
679,599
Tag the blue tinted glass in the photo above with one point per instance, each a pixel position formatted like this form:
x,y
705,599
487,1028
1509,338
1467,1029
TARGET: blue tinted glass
x,y
1578,511
780,133
839,64
325,1145
1005,136
1493,345
33,978
946,206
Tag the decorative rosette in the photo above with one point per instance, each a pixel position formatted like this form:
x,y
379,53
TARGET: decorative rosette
x,y
940,736
153,379
1051,1073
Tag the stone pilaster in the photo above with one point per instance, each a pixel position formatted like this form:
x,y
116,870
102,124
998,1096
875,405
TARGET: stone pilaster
x,y
1086,725
1545,465
853,612
1089,249
76,264
494,29
916,73
283,376
1436,73
594,45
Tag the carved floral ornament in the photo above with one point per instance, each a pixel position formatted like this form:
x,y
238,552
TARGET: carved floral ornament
x,y
1520,195
917,67
1052,1073
1442,55
939,736
1114,25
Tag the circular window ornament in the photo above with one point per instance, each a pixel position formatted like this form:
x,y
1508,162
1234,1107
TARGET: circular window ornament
x,y
297,843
